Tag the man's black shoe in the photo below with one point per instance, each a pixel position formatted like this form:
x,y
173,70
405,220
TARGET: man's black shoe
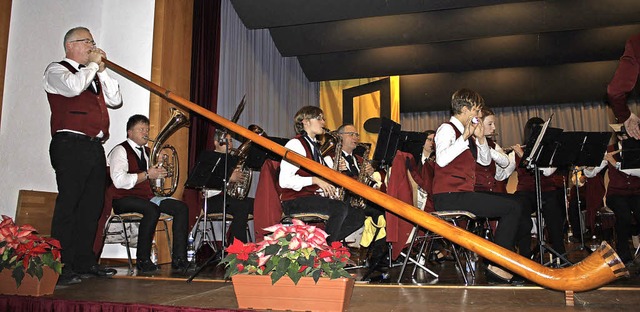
x,y
97,270
146,266
179,264
67,279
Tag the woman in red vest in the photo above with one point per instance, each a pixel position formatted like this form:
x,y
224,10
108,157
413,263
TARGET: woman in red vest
x,y
623,195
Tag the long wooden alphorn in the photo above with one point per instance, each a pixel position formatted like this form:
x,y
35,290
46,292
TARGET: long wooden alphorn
x,y
598,269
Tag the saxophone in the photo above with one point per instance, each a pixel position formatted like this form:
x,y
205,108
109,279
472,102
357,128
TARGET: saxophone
x,y
333,141
239,190
359,201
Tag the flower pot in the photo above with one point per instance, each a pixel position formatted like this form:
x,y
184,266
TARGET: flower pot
x,y
30,285
256,292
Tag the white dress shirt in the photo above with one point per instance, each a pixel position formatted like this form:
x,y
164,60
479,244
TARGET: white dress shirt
x,y
288,177
119,166
448,147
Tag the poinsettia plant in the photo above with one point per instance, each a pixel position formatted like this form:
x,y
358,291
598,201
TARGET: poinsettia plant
x,y
24,252
295,250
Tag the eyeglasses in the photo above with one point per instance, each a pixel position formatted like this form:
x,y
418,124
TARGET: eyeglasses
x,y
319,117
85,40
355,134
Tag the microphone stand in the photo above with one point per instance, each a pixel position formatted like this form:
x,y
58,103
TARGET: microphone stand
x,y
218,255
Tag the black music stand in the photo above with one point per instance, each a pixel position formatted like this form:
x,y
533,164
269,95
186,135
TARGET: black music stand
x,y
631,154
412,143
211,172
387,143
576,149
541,150
258,154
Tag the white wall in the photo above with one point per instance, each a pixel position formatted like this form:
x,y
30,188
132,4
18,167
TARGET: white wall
x,y
123,28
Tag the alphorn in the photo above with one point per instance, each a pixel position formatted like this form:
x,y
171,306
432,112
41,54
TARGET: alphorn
x,y
598,269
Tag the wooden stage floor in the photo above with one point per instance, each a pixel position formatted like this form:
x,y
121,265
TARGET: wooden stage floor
x,y
447,293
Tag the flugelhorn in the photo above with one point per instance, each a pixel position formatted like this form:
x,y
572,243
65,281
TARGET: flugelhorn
x,y
599,268
166,156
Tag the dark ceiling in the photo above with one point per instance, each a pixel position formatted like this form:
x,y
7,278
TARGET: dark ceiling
x,y
513,52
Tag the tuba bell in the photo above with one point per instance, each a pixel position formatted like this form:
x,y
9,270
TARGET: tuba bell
x,y
166,156
239,190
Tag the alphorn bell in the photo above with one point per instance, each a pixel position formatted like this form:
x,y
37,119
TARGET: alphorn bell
x,y
598,269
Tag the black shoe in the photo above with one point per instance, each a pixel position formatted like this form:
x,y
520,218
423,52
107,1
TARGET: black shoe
x,y
67,279
518,280
179,264
97,270
146,266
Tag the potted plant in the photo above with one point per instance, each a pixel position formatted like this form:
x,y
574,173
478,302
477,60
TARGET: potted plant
x,y
300,252
23,253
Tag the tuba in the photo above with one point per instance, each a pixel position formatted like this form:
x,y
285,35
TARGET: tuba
x,y
161,157
239,190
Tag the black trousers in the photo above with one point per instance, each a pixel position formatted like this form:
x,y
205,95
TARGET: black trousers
x,y
239,209
151,213
343,219
80,168
625,209
553,212
509,211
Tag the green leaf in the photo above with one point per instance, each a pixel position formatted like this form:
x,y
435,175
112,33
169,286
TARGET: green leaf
x,y
275,276
271,250
316,275
18,275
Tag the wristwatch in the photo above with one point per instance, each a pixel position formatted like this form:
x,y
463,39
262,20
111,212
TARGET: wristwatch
x,y
618,165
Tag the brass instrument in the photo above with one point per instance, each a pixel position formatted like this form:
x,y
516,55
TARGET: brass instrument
x,y
328,142
599,268
239,190
337,149
166,186
363,177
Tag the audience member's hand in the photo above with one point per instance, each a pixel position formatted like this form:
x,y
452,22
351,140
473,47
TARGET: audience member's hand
x,y
632,125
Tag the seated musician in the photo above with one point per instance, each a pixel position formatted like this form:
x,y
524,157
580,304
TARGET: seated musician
x,y
132,176
238,208
551,183
423,171
304,192
492,178
355,167
460,143
623,195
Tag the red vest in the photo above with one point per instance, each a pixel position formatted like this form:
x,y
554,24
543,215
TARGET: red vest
x,y
486,175
86,112
620,183
142,189
527,181
458,175
289,194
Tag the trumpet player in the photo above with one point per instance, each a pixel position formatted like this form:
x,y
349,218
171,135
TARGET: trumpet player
x,y
238,208
79,90
623,195
304,192
132,174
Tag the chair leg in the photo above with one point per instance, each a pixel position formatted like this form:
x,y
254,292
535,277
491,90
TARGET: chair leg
x,y
126,242
406,257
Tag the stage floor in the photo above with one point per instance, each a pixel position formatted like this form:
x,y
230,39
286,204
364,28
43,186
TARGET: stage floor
x,y
447,293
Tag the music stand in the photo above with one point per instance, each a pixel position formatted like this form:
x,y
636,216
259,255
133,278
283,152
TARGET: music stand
x,y
258,154
211,172
387,143
542,153
577,149
412,143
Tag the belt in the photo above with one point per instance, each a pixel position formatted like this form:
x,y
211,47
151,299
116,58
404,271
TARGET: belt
x,y
77,136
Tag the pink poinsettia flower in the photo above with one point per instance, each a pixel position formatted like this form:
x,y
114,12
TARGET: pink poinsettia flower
x,y
262,260
295,243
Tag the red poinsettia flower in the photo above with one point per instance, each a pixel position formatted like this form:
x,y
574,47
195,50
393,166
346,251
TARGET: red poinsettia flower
x,y
240,249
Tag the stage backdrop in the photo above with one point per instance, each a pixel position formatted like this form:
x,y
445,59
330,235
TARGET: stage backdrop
x,y
357,100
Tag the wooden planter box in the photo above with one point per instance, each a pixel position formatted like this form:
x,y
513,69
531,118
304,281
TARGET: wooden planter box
x,y
256,292
30,285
